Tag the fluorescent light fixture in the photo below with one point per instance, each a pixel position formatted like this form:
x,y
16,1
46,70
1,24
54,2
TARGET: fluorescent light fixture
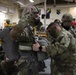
x,y
32,1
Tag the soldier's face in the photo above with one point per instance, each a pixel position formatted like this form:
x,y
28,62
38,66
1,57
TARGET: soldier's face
x,y
52,31
36,18
66,25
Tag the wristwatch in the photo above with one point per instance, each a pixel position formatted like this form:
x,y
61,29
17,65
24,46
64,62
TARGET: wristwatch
x,y
40,48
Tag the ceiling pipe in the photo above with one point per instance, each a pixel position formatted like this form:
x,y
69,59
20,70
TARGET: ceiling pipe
x,y
57,6
54,3
69,0
45,12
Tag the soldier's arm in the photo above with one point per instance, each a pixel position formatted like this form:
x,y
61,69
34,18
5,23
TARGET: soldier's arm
x,y
14,33
58,47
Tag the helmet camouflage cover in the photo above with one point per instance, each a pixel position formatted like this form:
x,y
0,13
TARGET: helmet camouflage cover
x,y
28,15
67,17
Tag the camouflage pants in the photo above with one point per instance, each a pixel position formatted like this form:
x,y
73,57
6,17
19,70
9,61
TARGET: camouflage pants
x,y
8,68
1,71
57,70
26,68
23,66
23,71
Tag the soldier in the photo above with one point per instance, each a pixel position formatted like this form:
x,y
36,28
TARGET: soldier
x,y
30,17
62,50
23,33
67,23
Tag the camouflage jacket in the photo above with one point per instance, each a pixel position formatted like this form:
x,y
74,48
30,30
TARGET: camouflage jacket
x,y
63,48
72,31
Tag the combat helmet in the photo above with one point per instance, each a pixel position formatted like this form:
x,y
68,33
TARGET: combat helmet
x,y
29,15
67,17
30,10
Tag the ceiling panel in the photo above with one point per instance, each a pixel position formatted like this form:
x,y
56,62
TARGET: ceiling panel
x,y
23,3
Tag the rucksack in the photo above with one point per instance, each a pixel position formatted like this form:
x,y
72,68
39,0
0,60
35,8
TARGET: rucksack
x,y
22,33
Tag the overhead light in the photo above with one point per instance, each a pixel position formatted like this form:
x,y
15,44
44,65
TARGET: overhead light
x,y
32,1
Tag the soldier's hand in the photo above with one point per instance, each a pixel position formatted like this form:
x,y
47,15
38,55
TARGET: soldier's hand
x,y
43,49
36,46
7,59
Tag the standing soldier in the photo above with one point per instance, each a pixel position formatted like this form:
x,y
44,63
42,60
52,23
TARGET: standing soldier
x,y
23,33
67,23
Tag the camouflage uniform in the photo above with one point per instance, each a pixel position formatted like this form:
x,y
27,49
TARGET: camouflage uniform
x,y
63,53
72,31
23,33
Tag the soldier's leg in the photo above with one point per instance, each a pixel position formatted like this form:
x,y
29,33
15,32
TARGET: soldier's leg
x,y
22,66
4,68
8,68
26,68
54,68
1,71
23,71
69,71
54,71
